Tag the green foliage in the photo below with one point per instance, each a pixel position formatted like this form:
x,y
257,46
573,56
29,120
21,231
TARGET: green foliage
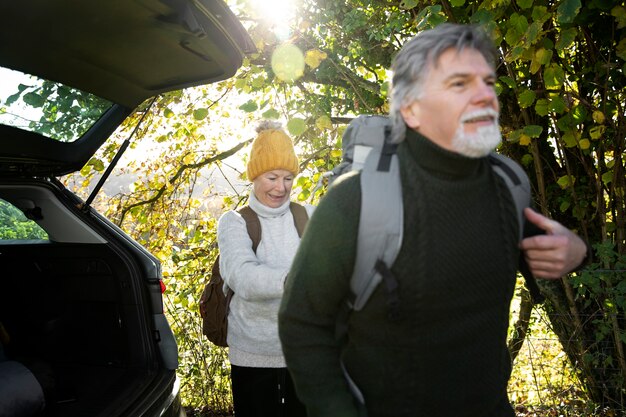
x,y
15,225
55,110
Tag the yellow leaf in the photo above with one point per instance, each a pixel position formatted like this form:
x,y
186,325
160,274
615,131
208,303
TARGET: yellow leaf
x,y
188,159
323,123
314,58
596,132
584,144
598,117
524,140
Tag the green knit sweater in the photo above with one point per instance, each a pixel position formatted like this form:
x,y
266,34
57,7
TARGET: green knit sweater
x,y
446,355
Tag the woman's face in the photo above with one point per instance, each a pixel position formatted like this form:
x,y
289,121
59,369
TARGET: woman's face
x,y
272,188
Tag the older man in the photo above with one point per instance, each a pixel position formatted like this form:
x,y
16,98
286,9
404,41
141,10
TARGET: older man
x,y
445,354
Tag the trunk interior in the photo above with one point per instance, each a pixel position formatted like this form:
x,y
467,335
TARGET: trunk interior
x,y
71,313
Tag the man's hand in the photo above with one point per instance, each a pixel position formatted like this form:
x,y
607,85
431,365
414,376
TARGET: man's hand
x,y
554,254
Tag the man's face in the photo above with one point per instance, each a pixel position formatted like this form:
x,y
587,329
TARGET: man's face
x,y
458,108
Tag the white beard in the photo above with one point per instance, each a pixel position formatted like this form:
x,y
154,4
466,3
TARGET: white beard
x,y
481,143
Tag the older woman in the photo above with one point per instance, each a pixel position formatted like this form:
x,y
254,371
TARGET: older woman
x,y
260,381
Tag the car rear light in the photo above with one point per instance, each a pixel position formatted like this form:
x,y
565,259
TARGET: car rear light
x,y
162,286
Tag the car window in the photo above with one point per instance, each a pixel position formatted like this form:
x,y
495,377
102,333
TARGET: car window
x,y
14,226
48,108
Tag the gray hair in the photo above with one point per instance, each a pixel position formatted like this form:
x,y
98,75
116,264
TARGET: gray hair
x,y
411,65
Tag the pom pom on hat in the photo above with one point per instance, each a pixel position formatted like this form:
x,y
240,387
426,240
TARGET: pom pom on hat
x,y
272,149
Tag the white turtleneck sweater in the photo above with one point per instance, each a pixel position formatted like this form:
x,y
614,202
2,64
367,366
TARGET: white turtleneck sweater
x,y
257,281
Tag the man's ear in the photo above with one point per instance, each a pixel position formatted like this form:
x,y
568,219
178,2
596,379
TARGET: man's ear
x,y
410,113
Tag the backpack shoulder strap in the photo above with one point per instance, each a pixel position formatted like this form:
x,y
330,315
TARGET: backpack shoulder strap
x,y
253,225
378,241
300,216
517,181
380,224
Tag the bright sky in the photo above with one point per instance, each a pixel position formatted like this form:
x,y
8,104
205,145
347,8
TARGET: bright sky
x,y
278,13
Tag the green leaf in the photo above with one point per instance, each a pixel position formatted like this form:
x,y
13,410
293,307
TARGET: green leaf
x,y
543,56
553,76
457,3
258,82
534,131
168,113
566,181
296,126
516,28
558,105
510,82
579,114
607,177
526,98
12,98
249,106
566,38
527,159
620,16
429,17
482,17
200,114
304,195
567,11
524,4
541,14
240,83
620,51
97,164
518,22
533,32
271,114
408,4
570,138
541,107
34,99
514,136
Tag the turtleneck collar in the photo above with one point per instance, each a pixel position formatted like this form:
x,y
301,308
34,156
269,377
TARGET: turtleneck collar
x,y
265,211
437,160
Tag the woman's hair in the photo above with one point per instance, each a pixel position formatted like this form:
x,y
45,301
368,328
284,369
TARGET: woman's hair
x,y
272,149
420,54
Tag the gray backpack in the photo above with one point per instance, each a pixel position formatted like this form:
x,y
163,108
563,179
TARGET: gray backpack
x,y
365,148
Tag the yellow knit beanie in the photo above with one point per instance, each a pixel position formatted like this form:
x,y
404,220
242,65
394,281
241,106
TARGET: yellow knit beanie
x,y
272,149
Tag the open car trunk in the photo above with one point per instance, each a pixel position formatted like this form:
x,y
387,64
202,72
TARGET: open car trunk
x,y
76,316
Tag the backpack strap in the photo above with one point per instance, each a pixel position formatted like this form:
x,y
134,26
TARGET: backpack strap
x,y
517,183
253,225
380,227
300,216
519,186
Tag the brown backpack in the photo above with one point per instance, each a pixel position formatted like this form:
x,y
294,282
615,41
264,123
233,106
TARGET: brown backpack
x,y
213,302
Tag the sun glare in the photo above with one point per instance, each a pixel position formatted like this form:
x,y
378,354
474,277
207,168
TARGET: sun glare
x,y
279,14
